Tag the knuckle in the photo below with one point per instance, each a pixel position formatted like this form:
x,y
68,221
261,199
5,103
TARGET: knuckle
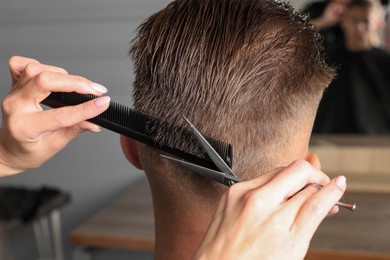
x,y
31,69
254,199
254,203
6,105
42,80
302,164
16,61
317,207
303,169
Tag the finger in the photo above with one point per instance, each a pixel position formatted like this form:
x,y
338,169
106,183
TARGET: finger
x,y
319,187
313,159
88,126
239,191
54,119
231,200
293,205
316,208
293,179
52,142
261,180
46,82
91,127
62,137
216,221
236,194
33,69
17,65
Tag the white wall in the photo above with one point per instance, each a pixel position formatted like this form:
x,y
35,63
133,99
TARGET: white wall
x,y
89,38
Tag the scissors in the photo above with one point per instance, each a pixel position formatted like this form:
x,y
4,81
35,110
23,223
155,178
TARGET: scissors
x,y
225,176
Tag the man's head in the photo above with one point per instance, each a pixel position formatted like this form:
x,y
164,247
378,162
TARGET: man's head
x,y
361,23
246,72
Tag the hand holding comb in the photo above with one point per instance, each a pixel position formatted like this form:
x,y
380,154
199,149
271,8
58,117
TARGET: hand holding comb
x,y
138,126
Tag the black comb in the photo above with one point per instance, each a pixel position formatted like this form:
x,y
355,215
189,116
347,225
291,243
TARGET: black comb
x,y
141,127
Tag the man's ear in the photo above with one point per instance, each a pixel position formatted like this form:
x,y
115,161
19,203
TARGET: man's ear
x,y
129,147
313,159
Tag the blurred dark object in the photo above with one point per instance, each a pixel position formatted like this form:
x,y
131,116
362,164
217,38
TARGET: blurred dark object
x,y
23,204
332,34
358,100
20,206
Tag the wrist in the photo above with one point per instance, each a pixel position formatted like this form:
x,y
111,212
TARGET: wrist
x,y
5,168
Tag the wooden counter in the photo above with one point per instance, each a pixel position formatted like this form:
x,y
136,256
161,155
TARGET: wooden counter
x,y
127,223
364,160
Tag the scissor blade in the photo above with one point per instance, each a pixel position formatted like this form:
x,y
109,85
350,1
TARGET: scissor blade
x,y
214,156
206,172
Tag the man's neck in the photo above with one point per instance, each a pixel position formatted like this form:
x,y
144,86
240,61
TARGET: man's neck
x,y
178,237
179,225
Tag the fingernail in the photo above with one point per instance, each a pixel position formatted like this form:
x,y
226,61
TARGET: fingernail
x,y
102,101
99,88
340,181
97,130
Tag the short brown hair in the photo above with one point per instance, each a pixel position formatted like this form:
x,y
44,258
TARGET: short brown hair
x,y
240,70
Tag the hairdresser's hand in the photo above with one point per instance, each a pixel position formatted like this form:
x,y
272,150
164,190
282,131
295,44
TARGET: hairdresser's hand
x,y
271,217
29,136
332,15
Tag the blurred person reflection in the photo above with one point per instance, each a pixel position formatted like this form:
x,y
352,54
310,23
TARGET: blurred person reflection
x,y
387,26
358,99
326,15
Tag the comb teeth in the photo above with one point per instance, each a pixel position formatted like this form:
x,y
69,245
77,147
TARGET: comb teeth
x,y
141,127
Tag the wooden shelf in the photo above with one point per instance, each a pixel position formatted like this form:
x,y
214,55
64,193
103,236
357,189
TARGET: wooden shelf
x,y
127,223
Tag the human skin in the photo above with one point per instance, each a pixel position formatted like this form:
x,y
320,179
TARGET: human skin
x,y
282,227
273,216
360,26
332,15
29,136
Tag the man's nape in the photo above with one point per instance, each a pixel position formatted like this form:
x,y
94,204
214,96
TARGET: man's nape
x,y
246,72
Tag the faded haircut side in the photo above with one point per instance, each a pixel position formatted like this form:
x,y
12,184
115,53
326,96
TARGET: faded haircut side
x,y
243,71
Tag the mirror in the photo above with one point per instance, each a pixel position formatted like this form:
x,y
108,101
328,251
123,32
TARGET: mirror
x,y
356,37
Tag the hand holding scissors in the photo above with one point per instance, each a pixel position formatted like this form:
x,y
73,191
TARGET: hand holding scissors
x,y
225,176
273,216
